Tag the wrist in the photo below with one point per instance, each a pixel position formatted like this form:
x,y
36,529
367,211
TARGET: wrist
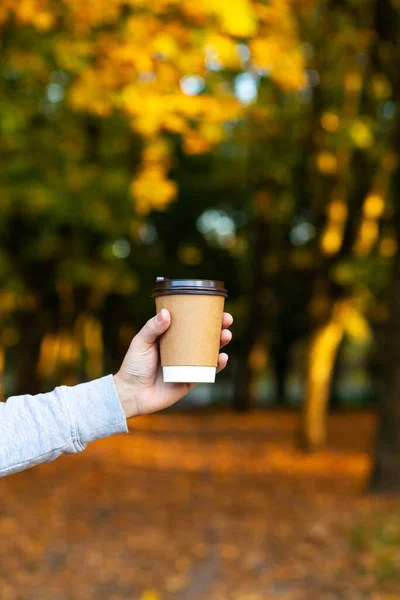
x,y
126,396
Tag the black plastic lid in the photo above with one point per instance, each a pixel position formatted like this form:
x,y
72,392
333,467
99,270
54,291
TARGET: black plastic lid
x,y
167,287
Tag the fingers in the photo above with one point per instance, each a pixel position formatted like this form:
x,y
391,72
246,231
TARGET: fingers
x,y
222,361
154,328
226,337
160,323
227,320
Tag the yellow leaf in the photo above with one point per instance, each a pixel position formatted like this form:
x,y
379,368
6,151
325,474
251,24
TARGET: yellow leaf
x,y
327,163
195,143
168,77
281,59
225,50
158,150
165,45
374,206
367,236
330,122
337,211
150,595
43,20
211,132
237,17
332,239
355,325
152,190
148,124
361,134
369,230
174,123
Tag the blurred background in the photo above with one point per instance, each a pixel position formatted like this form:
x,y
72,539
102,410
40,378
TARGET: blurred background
x,y
251,141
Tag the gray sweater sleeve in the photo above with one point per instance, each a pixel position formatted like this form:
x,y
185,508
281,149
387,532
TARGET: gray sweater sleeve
x,y
37,429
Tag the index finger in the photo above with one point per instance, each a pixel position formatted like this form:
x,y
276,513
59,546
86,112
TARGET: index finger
x,y
227,320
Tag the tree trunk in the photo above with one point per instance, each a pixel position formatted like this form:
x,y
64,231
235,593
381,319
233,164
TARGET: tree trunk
x,y
281,359
321,360
334,400
259,237
386,473
27,377
242,398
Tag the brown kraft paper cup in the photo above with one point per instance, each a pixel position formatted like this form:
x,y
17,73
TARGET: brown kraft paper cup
x,y
189,348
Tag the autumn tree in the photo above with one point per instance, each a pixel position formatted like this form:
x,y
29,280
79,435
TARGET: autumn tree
x,y
303,153
319,229
98,103
346,170
386,473
351,183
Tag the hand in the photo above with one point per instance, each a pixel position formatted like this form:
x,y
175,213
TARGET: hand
x,y
139,381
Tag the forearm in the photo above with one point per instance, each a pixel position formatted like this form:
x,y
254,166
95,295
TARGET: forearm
x,y
37,429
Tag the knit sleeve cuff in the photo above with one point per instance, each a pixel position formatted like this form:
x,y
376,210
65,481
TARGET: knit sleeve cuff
x,y
95,410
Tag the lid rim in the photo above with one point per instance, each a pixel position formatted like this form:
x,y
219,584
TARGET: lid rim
x,y
166,286
188,292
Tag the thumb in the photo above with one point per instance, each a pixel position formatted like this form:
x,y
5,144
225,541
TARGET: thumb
x,y
154,328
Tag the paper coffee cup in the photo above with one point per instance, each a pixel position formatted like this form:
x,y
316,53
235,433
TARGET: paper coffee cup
x,y
189,348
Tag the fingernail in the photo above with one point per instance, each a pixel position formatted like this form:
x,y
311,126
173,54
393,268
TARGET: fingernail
x,y
159,318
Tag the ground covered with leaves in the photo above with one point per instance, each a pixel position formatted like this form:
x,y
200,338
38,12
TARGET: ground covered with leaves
x,y
203,506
